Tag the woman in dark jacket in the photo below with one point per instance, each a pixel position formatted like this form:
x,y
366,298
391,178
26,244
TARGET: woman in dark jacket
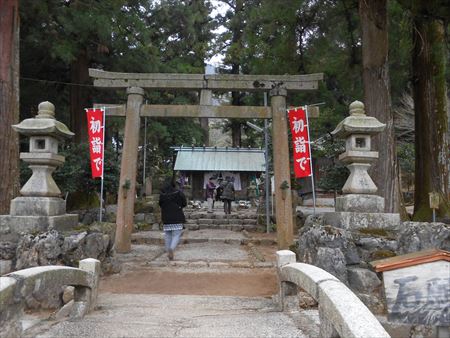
x,y
172,201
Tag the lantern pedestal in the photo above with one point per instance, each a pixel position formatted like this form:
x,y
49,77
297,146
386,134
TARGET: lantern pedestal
x,y
37,206
360,203
11,227
360,220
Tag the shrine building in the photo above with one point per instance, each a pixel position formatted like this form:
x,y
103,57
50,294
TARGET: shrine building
x,y
195,165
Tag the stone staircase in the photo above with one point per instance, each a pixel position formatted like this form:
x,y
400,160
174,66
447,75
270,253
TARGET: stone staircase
x,y
245,219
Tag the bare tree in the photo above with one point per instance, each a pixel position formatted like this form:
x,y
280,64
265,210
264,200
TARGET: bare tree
x,y
404,119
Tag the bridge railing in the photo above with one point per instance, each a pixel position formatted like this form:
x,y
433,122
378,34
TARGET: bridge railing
x,y
341,312
31,288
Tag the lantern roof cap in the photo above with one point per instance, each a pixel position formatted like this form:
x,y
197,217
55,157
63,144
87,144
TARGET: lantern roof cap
x,y
358,122
44,124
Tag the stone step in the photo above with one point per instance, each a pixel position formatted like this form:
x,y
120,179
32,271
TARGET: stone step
x,y
160,241
220,216
246,221
212,264
203,236
233,227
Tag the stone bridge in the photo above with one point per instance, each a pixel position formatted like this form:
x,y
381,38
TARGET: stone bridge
x,y
339,314
39,288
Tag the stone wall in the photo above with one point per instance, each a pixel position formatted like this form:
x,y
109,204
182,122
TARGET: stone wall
x,y
346,254
57,248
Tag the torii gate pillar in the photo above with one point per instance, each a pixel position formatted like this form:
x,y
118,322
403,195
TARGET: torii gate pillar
x,y
283,196
127,183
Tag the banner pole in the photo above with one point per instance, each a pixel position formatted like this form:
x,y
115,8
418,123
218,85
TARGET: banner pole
x,y
103,166
267,186
311,165
145,155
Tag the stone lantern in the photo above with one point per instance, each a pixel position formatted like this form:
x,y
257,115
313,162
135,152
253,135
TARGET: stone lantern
x,y
359,207
40,206
359,189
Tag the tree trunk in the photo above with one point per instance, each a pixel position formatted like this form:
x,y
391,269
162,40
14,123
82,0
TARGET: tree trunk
x,y
377,98
236,135
79,99
9,102
236,130
351,26
431,121
204,124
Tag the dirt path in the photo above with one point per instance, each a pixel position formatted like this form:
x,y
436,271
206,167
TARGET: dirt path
x,y
253,283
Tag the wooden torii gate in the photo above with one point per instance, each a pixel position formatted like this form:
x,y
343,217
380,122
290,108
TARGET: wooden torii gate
x,y
276,85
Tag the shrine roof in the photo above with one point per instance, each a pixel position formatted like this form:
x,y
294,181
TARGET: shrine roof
x,y
219,159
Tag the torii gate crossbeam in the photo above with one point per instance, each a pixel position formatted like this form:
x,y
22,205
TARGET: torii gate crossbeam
x,y
276,85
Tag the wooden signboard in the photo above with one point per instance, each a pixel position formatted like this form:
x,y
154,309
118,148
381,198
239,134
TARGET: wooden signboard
x,y
417,287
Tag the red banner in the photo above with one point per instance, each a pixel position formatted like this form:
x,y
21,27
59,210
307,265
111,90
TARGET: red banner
x,y
96,125
300,141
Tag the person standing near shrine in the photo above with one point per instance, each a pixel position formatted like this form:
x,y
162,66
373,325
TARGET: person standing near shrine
x,y
218,191
172,201
210,187
227,194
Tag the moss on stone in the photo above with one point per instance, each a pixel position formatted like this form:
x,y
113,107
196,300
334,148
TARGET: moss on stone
x,y
143,206
374,232
142,226
82,227
260,229
423,214
380,254
104,227
293,248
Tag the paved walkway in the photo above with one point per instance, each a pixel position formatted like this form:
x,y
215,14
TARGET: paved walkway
x,y
221,283
124,315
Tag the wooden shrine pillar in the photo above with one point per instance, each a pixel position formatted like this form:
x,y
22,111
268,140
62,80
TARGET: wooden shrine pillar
x,y
128,168
205,100
281,164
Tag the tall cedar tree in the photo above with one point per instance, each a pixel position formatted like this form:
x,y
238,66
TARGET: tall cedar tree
x,y
73,35
185,40
429,57
232,45
119,35
377,98
9,102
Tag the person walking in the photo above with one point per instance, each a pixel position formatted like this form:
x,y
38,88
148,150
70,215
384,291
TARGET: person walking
x,y
172,201
210,187
227,194
218,191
